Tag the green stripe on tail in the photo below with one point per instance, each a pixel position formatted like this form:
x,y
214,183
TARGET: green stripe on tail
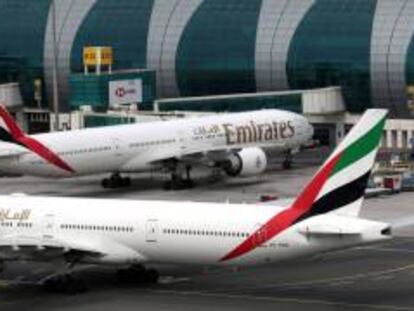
x,y
361,147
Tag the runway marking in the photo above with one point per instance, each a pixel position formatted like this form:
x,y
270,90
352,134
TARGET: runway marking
x,y
394,250
346,278
331,254
382,278
283,299
340,283
172,280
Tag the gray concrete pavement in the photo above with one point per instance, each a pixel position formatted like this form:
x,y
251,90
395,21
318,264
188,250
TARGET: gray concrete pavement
x,y
375,277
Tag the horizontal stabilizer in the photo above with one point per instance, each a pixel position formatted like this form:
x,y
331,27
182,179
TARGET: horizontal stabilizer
x,y
332,224
324,230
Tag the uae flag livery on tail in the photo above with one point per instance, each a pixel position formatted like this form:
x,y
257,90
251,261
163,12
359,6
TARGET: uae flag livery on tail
x,y
11,132
337,187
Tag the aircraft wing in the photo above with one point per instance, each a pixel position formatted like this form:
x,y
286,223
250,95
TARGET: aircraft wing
x,y
37,248
204,158
90,250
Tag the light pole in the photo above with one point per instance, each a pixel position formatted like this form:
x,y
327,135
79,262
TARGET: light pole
x,y
54,68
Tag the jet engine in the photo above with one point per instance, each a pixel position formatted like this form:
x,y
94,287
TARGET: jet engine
x,y
247,162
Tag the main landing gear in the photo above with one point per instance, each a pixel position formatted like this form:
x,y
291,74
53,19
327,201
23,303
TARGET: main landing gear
x,y
180,176
2,266
287,163
116,181
65,284
137,274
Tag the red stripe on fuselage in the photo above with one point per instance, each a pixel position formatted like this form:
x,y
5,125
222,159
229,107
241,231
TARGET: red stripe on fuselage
x,y
285,219
44,152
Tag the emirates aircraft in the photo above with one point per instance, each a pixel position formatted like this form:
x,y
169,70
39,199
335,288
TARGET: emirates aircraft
x,y
233,142
324,217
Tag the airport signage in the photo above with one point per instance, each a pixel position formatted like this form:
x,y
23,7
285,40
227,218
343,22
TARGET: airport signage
x,y
97,56
123,92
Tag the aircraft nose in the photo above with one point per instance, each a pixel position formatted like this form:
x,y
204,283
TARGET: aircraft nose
x,y
308,129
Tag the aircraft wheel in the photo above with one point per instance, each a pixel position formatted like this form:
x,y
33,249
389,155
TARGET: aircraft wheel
x,y
167,185
287,164
74,286
189,183
137,275
152,276
65,284
126,182
52,285
105,183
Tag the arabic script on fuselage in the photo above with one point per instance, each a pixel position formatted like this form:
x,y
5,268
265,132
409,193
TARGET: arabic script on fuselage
x,y
9,215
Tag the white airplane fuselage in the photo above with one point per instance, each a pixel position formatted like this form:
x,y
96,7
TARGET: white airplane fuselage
x,y
141,147
130,232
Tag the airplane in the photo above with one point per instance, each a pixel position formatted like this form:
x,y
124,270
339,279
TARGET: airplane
x,y
233,142
135,234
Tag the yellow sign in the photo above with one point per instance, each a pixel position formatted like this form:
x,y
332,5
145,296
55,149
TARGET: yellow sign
x,y
97,56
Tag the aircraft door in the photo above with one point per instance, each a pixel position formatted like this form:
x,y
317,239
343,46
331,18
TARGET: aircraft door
x,y
48,231
183,141
152,230
118,148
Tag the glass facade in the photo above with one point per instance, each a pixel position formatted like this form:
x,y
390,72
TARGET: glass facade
x,y
216,50
92,89
210,47
331,46
98,121
121,24
291,102
410,64
22,29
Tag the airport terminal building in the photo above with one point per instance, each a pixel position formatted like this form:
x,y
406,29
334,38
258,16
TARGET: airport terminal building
x,y
215,47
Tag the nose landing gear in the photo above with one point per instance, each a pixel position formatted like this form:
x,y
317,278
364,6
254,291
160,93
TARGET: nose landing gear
x,y
287,163
180,177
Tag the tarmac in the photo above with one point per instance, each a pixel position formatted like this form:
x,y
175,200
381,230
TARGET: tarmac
x,y
373,277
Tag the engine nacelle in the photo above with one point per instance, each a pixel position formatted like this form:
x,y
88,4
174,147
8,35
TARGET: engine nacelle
x,y
247,162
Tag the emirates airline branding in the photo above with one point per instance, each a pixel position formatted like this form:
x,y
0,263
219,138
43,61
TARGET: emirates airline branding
x,y
8,215
250,132
253,132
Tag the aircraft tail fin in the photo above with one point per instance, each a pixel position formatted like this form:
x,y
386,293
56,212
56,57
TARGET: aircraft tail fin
x,y
339,185
10,131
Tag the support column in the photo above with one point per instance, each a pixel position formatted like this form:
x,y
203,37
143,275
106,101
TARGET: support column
x,y
339,132
399,139
388,141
